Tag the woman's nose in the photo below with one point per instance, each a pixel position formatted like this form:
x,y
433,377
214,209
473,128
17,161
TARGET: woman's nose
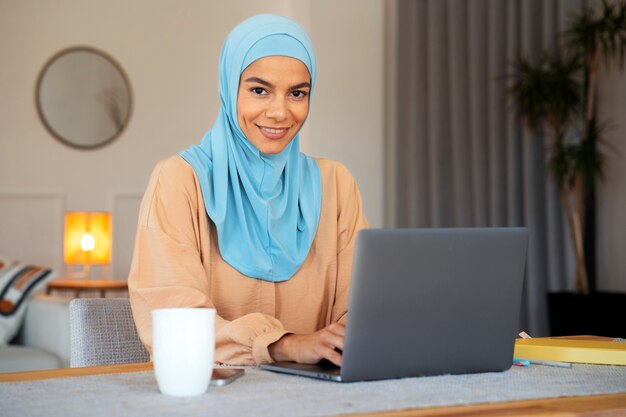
x,y
277,108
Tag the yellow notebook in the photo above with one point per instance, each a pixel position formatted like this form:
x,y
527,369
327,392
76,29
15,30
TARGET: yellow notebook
x,y
605,352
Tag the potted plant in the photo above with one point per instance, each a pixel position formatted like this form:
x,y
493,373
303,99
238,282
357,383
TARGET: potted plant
x,y
558,95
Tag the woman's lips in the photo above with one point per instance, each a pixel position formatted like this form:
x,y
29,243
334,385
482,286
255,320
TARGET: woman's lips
x,y
273,133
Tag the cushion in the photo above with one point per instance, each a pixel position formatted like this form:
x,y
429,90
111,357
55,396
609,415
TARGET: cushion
x,y
22,358
18,282
46,325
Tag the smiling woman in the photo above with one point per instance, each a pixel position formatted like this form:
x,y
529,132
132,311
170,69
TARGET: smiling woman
x,y
247,224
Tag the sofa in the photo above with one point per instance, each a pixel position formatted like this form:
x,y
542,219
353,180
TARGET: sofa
x,y
43,341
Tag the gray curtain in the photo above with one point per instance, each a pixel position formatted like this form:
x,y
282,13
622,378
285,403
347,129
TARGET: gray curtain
x,y
462,159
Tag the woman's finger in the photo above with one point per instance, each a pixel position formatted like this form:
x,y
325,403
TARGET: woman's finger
x,y
333,340
333,356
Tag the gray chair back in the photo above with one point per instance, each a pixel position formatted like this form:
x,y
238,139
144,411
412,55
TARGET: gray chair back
x,y
102,332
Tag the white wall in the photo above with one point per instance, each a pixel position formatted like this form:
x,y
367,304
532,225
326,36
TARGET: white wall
x,y
348,104
170,52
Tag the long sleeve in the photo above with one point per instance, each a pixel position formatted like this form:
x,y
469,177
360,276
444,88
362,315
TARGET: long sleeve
x,y
172,266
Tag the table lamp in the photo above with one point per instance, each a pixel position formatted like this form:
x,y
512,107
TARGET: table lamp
x,y
87,242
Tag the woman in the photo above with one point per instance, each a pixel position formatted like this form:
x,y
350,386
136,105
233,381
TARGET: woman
x,y
247,224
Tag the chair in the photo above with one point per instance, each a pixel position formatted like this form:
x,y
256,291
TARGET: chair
x,y
102,332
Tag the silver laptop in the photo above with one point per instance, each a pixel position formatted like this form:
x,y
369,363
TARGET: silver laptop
x,y
429,302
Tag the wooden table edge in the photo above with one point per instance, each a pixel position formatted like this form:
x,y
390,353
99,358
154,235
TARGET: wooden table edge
x,y
605,405
74,372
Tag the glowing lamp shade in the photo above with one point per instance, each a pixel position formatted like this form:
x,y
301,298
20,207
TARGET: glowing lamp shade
x,y
87,238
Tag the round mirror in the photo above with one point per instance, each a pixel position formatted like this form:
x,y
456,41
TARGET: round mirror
x,y
83,97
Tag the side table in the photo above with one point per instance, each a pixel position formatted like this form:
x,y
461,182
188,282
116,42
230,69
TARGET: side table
x,y
79,285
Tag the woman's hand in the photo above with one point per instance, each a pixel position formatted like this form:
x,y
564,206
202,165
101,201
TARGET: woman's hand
x,y
310,348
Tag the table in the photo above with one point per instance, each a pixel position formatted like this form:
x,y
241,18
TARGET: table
x,y
102,285
593,405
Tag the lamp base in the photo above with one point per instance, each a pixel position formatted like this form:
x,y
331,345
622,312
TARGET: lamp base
x,y
84,272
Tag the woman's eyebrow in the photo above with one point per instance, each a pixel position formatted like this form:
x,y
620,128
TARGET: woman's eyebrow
x,y
301,85
260,81
270,85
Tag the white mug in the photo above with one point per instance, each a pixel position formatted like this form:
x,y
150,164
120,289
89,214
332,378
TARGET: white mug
x,y
183,347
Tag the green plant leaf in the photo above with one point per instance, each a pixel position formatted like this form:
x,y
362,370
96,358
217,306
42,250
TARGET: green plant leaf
x,y
549,92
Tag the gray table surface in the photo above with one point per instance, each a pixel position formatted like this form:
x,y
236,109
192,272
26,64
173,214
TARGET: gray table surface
x,y
262,393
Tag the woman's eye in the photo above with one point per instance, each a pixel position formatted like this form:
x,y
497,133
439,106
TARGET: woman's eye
x,y
258,91
298,94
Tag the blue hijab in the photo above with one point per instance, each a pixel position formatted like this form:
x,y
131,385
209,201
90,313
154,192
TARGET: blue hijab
x,y
265,207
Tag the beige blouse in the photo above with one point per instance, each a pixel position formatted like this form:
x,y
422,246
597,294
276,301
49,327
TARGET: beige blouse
x,y
177,263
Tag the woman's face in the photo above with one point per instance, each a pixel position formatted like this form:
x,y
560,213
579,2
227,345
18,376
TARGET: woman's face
x,y
273,101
